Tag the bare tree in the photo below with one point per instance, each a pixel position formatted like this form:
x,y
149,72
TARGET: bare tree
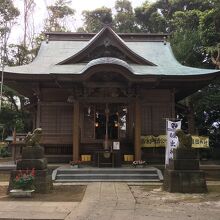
x,y
29,6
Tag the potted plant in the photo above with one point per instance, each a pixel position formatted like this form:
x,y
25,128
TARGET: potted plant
x,y
139,163
75,163
23,184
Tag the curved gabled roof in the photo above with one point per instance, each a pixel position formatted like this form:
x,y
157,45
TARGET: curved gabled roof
x,y
110,34
58,51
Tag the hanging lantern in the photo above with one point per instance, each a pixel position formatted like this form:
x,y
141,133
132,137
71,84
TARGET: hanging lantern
x,y
89,111
116,124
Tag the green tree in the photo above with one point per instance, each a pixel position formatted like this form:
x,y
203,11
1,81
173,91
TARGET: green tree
x,y
20,55
194,39
8,16
206,104
59,15
124,19
150,19
185,40
96,19
12,114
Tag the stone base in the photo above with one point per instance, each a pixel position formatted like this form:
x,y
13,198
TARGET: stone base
x,y
19,193
182,153
75,166
184,164
42,181
29,152
38,164
183,174
184,181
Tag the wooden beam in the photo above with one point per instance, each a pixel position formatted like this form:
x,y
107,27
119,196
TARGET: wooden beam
x,y
76,131
137,131
105,84
55,104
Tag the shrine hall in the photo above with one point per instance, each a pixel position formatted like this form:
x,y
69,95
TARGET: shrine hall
x,y
94,93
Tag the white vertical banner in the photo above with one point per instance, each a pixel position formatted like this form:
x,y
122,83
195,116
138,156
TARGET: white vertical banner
x,y
172,139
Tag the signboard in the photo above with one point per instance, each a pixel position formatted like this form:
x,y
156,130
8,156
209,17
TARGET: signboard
x,y
160,141
152,141
200,142
116,145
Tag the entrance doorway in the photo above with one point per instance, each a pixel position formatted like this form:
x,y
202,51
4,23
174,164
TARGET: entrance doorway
x,y
106,122
103,121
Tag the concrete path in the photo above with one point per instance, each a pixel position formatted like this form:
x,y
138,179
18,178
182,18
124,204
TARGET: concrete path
x,y
105,201
35,210
101,201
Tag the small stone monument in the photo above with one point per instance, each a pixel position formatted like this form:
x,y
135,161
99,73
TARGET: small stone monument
x,y
33,157
183,174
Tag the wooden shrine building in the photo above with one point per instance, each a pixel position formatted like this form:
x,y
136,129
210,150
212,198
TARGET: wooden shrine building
x,y
88,90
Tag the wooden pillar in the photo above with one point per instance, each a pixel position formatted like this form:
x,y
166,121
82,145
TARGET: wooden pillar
x,y
137,130
76,131
173,113
38,113
191,120
38,119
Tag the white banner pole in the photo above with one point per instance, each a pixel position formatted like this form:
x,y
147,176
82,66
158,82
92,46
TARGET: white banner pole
x,y
166,154
172,139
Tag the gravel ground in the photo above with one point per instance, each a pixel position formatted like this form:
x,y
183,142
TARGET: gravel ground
x,y
154,203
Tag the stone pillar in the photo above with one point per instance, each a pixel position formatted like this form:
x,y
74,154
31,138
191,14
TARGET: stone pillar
x,y
137,130
33,157
183,174
76,130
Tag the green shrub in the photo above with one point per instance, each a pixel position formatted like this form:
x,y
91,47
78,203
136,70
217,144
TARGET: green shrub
x,y
4,152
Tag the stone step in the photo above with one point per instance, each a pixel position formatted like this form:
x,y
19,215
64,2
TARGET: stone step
x,y
107,174
106,180
104,171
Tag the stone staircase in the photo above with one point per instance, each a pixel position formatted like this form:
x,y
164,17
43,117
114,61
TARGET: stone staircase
x,y
67,174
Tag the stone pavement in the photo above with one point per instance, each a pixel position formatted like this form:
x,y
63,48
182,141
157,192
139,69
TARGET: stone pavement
x,y
35,210
101,201
105,201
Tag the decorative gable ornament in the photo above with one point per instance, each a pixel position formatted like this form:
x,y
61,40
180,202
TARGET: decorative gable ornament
x,y
106,44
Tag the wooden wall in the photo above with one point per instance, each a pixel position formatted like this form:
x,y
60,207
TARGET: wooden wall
x,y
156,105
56,120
